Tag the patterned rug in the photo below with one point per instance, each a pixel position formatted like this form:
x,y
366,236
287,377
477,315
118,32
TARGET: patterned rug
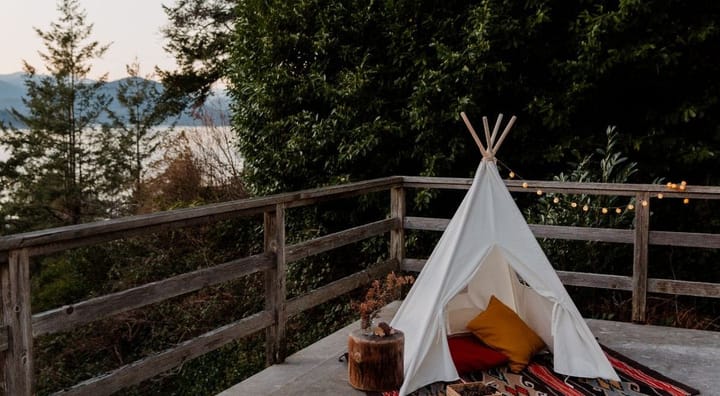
x,y
538,379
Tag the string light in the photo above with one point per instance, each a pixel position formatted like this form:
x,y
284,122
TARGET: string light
x,y
674,186
682,186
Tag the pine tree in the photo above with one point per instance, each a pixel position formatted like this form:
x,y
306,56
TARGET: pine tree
x,y
137,133
52,177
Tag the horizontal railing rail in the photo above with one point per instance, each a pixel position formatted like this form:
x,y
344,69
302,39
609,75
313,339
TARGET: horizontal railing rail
x,y
19,326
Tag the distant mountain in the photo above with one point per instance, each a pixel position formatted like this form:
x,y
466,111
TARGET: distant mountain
x,y
12,90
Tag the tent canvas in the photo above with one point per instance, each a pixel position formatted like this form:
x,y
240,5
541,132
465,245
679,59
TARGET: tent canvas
x,y
488,249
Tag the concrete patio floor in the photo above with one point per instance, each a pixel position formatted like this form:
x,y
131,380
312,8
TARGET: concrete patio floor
x,y
689,356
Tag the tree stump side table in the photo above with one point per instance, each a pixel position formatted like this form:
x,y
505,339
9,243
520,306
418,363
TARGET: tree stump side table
x,y
375,364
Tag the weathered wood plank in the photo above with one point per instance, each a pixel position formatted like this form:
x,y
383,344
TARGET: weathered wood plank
x,y
614,282
73,315
625,189
640,258
151,366
63,238
397,234
308,197
599,281
16,313
132,225
685,239
685,288
425,223
276,285
444,183
335,240
271,294
3,339
540,231
339,287
412,264
568,278
54,247
613,235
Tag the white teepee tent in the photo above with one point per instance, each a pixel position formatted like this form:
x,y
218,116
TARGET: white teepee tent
x,y
488,249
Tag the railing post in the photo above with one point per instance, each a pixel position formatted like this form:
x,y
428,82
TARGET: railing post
x,y
17,317
397,234
640,257
275,285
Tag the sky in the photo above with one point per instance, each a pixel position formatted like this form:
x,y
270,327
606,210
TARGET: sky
x,y
131,27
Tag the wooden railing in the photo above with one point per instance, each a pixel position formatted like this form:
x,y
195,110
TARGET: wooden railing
x,y
20,326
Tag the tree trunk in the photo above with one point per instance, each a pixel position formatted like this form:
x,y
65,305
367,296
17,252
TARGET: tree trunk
x,y
375,363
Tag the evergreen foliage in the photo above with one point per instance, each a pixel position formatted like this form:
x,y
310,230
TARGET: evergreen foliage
x,y
199,36
53,175
137,135
327,92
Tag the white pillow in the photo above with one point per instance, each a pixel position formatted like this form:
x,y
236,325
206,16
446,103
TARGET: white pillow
x,y
457,319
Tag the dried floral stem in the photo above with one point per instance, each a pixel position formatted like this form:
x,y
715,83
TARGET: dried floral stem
x,y
380,294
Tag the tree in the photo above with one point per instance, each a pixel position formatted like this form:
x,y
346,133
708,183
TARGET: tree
x,y
135,132
647,67
326,92
52,176
199,36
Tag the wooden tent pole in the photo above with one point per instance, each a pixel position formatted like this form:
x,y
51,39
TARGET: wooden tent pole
x,y
487,134
505,132
495,130
474,135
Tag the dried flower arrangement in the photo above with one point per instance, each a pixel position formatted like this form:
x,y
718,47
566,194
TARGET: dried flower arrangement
x,y
378,295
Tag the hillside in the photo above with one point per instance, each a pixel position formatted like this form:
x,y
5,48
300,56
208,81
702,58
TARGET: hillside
x,y
12,90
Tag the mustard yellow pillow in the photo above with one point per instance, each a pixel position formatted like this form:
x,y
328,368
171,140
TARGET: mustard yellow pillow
x,y
501,328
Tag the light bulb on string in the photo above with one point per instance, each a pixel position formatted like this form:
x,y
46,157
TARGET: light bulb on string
x,y
644,203
573,204
524,185
604,210
511,174
585,208
631,206
686,201
539,192
556,200
660,195
618,210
